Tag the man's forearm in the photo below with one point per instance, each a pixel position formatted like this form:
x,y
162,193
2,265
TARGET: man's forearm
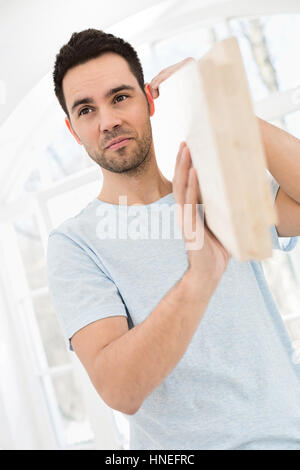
x,y
132,366
283,157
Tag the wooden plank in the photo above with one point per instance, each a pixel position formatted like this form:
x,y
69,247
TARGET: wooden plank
x,y
213,113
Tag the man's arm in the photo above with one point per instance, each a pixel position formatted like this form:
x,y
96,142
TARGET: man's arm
x,y
129,368
283,161
283,157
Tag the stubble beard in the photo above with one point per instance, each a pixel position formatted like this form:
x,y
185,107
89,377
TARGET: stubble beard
x,y
124,160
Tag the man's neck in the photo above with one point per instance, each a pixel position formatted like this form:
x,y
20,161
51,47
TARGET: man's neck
x,y
143,187
137,193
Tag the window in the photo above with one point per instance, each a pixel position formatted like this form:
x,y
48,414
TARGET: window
x,y
61,179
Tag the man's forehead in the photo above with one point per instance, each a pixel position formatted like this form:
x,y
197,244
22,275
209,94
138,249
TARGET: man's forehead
x,y
102,73
109,67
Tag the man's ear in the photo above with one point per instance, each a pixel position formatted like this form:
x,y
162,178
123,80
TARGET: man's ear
x,y
71,130
150,99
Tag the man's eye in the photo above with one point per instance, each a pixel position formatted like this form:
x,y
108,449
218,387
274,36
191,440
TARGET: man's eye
x,y
120,96
82,111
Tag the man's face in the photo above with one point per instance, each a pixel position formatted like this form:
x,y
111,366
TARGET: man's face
x,y
105,102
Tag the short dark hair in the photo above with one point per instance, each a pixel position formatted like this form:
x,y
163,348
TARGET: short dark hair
x,y
89,44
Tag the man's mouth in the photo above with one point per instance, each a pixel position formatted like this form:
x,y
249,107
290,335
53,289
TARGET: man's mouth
x,y
119,142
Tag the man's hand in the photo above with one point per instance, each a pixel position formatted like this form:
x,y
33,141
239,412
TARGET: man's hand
x,y
164,74
154,88
209,261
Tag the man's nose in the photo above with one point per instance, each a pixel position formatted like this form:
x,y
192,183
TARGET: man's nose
x,y
108,120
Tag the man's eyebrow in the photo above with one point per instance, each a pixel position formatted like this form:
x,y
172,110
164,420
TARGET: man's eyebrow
x,y
110,92
81,101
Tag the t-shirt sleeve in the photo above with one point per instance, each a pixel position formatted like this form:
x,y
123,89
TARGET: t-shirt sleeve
x,y
80,290
280,243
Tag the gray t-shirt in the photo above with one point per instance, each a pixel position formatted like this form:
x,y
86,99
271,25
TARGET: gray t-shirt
x,y
236,386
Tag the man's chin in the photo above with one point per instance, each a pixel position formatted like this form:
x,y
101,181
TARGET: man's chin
x,y
125,165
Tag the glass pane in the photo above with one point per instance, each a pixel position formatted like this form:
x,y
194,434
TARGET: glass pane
x,y
53,341
123,428
76,427
70,203
64,155
292,122
282,34
193,43
264,44
31,250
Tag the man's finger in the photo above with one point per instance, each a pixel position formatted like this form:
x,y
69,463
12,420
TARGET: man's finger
x,y
181,177
179,155
154,91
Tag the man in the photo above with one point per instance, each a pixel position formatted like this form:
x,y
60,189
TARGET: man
x,y
186,342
